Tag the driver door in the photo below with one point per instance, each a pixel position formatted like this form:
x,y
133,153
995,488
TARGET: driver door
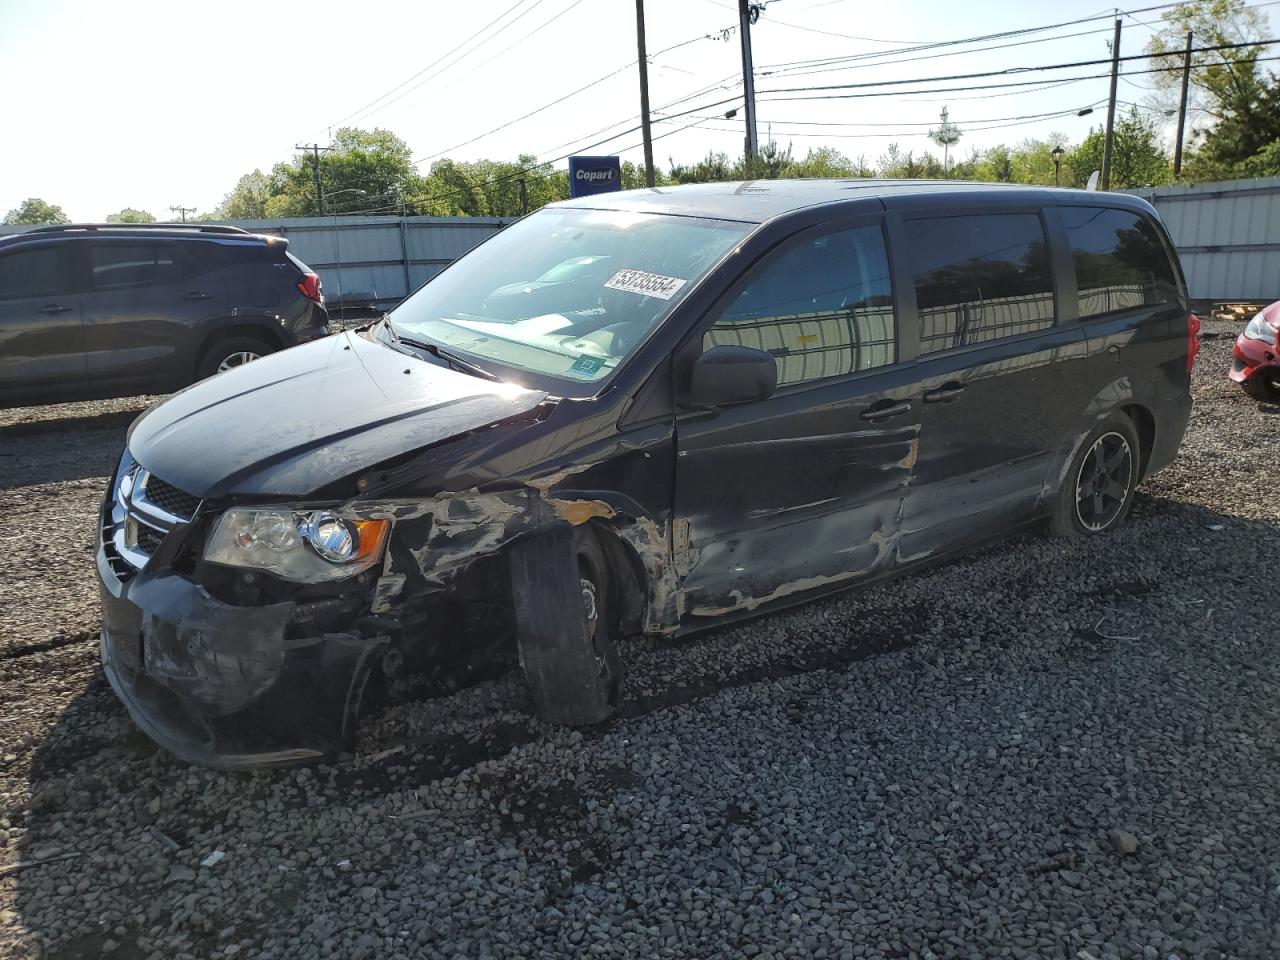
x,y
803,490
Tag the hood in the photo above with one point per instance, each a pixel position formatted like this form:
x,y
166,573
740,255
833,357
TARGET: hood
x,y
296,421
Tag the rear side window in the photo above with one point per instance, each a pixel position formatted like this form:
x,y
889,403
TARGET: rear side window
x,y
35,272
131,263
980,278
824,308
1120,260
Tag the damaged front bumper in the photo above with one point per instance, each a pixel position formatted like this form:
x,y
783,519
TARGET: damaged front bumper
x,y
228,686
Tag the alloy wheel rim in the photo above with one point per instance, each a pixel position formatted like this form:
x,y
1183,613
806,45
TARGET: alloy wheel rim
x,y
238,359
1102,486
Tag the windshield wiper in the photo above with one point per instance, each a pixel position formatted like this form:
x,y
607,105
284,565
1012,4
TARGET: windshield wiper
x,y
465,366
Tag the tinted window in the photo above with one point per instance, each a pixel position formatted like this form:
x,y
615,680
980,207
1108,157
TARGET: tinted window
x,y
37,272
980,278
129,263
823,309
1120,261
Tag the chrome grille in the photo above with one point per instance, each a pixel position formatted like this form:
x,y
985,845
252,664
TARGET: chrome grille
x,y
142,510
169,498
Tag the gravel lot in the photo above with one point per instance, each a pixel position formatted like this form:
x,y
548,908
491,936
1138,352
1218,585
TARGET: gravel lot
x,y
1045,750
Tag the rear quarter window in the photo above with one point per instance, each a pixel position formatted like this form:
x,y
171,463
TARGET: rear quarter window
x,y
979,278
114,264
1120,261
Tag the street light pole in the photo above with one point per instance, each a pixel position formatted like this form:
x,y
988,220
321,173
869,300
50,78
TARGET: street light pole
x,y
1057,166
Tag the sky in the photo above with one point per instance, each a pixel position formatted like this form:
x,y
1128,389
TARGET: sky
x,y
155,105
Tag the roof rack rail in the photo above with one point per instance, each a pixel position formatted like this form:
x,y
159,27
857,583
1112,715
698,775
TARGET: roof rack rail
x,y
200,227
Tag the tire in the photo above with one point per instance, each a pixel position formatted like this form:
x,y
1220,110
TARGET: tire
x,y
1264,386
1098,488
232,352
599,605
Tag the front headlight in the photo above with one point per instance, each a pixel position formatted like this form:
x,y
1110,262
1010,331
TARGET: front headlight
x,y
305,546
1259,329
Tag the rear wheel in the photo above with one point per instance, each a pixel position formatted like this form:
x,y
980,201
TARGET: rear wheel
x,y
231,353
1098,488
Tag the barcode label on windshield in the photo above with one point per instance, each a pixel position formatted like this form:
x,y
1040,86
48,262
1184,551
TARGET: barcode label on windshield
x,y
645,284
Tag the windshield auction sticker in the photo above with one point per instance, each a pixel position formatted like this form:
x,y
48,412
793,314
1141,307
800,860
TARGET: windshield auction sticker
x,y
645,284
586,366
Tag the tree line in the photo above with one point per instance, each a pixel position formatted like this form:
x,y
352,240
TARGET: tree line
x,y
1233,132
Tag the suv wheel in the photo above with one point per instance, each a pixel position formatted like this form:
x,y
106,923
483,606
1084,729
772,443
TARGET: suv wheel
x,y
231,353
1099,485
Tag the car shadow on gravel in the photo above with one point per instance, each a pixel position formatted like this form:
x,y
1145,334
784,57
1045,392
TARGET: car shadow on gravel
x,y
56,451
114,830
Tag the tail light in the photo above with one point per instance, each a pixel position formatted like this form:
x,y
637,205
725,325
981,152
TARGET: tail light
x,y
1193,339
309,287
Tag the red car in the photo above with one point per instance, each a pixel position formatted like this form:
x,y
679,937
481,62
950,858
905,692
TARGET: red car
x,y
1257,355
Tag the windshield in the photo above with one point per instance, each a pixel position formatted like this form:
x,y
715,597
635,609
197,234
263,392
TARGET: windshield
x,y
566,293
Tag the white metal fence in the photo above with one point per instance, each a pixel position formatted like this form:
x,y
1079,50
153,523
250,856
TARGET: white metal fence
x,y
1227,235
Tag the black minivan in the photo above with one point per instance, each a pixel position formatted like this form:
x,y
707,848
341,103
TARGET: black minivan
x,y
757,393
89,311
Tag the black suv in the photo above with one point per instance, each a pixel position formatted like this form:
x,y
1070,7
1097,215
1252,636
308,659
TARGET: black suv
x,y
89,311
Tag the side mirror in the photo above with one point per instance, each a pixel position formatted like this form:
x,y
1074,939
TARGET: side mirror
x,y
728,374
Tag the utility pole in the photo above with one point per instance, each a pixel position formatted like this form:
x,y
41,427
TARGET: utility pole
x,y
1111,109
1182,108
182,212
524,195
745,13
316,150
643,60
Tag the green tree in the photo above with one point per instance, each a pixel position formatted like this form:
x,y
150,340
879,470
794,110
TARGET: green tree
x,y
1033,161
248,199
827,162
996,165
1237,106
130,215
35,211
363,171
1137,159
714,168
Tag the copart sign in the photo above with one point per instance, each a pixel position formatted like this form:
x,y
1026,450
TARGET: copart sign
x,y
590,175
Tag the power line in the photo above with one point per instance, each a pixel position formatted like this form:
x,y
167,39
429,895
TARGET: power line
x,y
992,86
1012,70
936,56
934,45
559,100
538,29
968,128
921,123
439,63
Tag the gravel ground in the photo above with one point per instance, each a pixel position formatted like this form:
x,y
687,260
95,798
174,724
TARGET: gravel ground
x,y
1047,749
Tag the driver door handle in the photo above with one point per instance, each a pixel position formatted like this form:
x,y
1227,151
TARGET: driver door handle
x,y
945,393
884,409
54,308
